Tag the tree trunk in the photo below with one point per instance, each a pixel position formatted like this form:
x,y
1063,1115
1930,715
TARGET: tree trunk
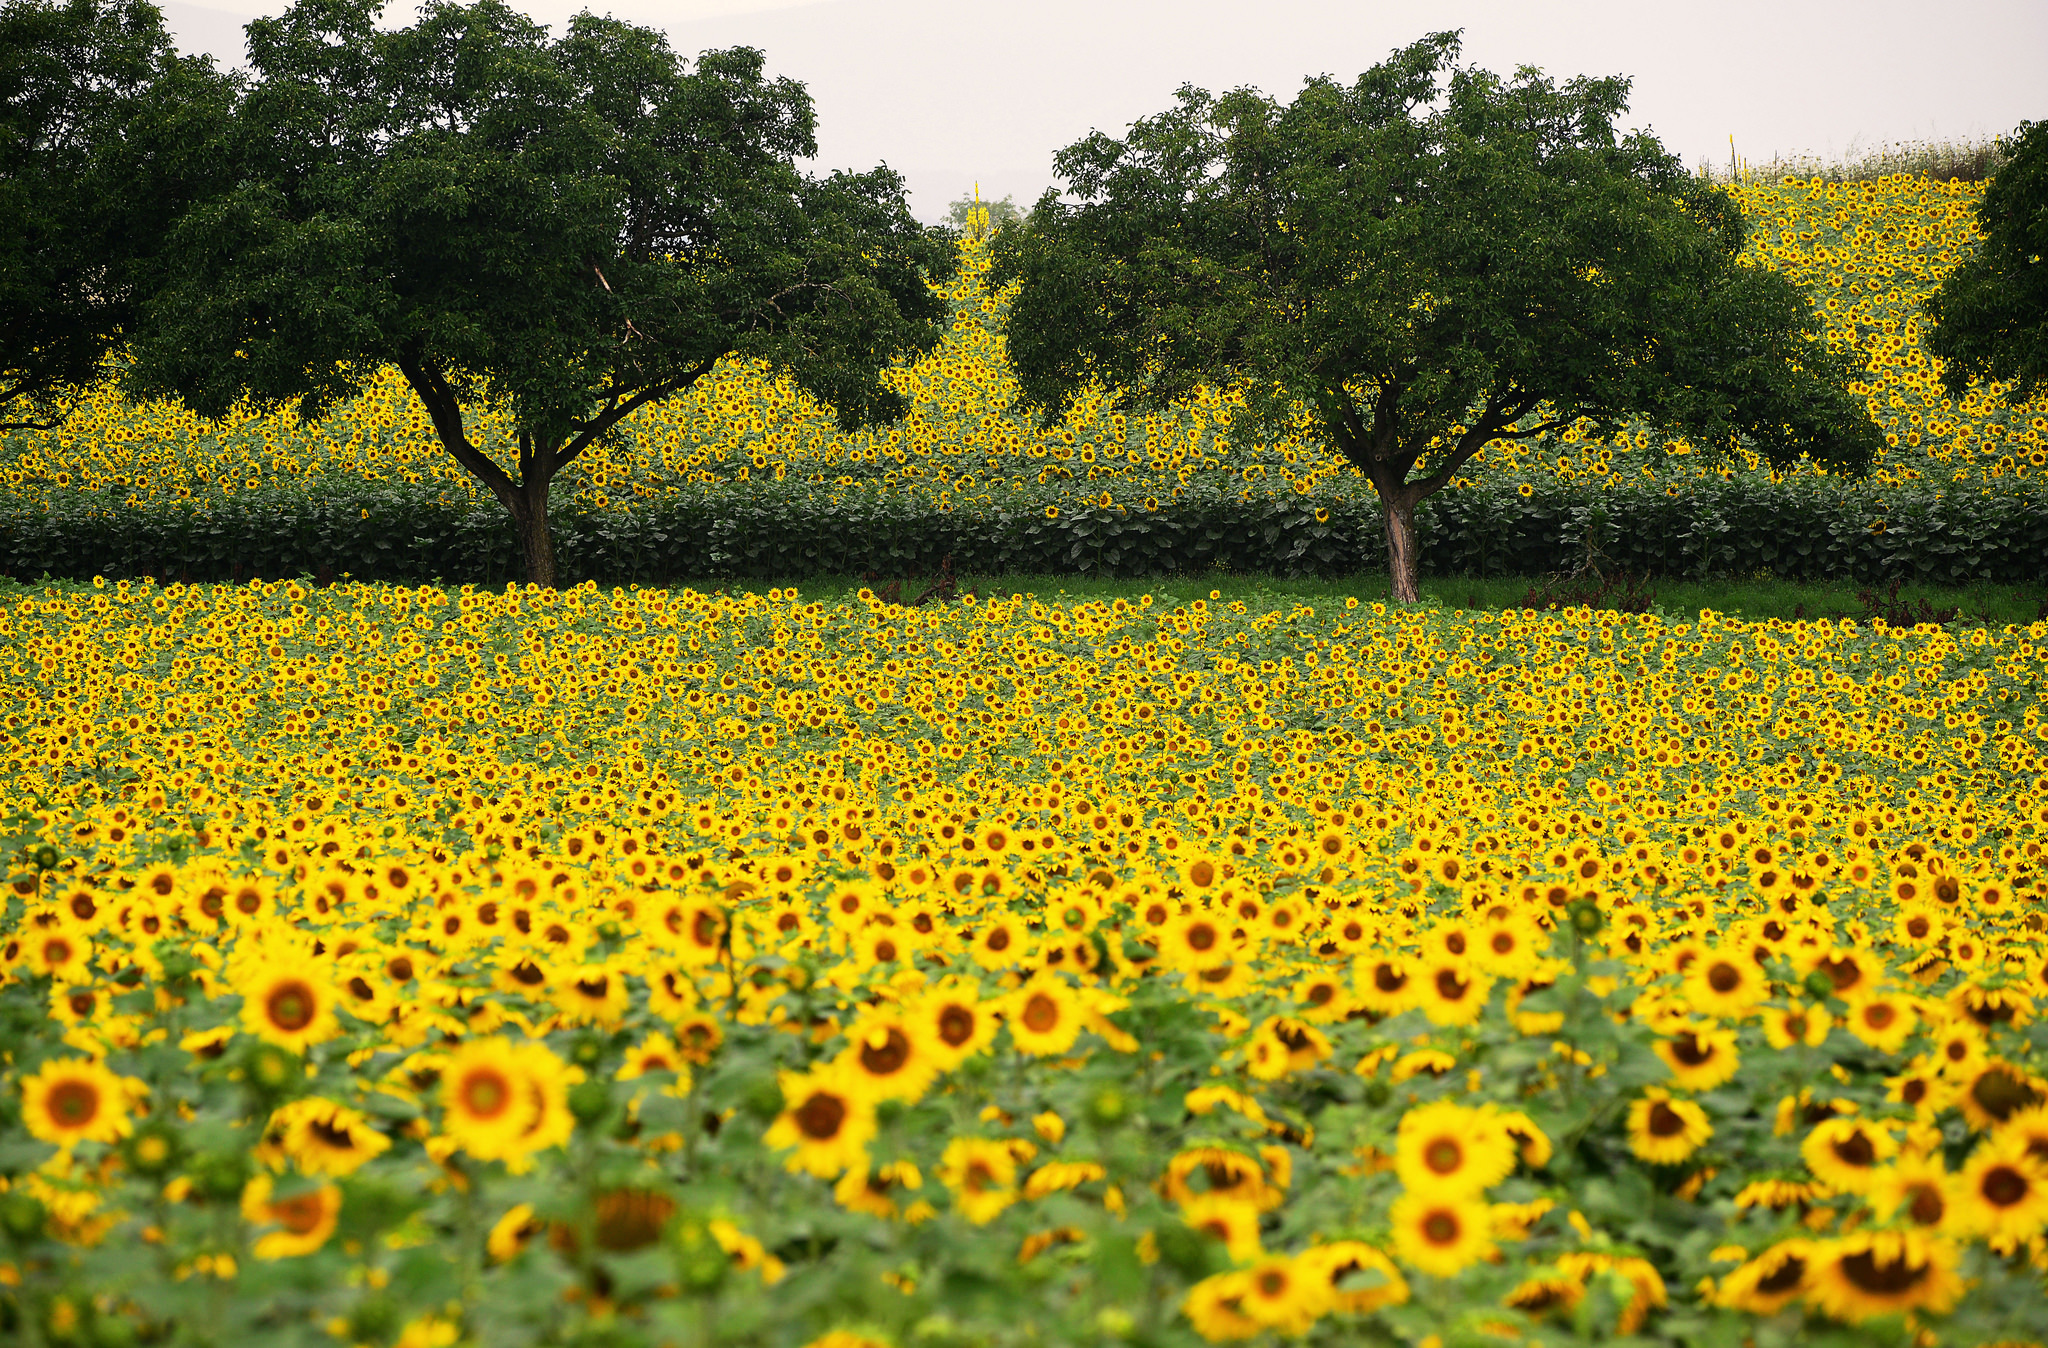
x,y
536,542
1402,552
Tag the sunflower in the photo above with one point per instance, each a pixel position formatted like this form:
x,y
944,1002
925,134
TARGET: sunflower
x,y
1284,1044
982,1176
324,1138
1880,1020
61,955
1044,1016
1796,1023
1768,1283
1700,1058
77,1100
1875,1273
1384,985
1215,1307
1194,941
699,1037
656,1053
1666,1131
1282,1295
1224,1173
1441,1235
1227,1219
1958,1050
825,1119
1725,984
1845,1153
1915,1188
593,994
874,1191
307,1217
1322,999
1358,1278
1452,992
1448,1151
487,1105
1998,1091
887,1057
2002,1193
287,1001
958,1023
511,1232
1002,944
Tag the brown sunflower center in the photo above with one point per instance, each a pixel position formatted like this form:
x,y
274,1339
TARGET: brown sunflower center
x,y
1927,1207
2003,1186
956,1025
1441,1227
1856,1150
1887,1279
1665,1121
1443,1155
1786,1276
822,1116
485,1093
889,1057
1450,987
74,1104
290,1006
1041,1013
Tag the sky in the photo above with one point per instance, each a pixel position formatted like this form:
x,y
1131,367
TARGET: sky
x,y
951,94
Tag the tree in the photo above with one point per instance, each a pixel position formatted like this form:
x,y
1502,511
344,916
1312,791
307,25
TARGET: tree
x,y
1408,272
567,229
105,134
1991,313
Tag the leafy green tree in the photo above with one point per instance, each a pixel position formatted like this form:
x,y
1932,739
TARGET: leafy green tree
x,y
1411,267
565,229
1991,313
105,134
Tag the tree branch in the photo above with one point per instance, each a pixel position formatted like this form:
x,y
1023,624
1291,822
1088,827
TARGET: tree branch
x,y
444,409
619,411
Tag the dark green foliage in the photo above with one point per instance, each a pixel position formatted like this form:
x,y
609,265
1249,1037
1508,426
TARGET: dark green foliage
x,y
566,228
105,134
1803,529
1419,265
1991,313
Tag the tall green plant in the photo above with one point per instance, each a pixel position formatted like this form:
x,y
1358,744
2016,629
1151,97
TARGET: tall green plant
x,y
1427,260
569,228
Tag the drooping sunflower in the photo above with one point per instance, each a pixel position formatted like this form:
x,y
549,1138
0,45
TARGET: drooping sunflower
x,y
1998,1091
1796,1023
824,1120
325,1138
874,1190
982,1175
2002,1193
1664,1130
1845,1153
593,994
1768,1283
1872,1273
77,1100
1916,1188
1442,1236
1445,1150
1226,1219
1358,1277
287,1001
306,1218
1215,1307
1700,1058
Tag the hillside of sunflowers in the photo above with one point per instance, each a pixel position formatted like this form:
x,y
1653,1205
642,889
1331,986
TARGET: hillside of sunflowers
x,y
745,476
433,966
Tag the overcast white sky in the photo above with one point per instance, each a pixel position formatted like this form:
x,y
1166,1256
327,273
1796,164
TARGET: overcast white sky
x,y
949,93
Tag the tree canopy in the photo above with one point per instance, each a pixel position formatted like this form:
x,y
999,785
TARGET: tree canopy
x,y
1991,313
1413,265
105,134
567,229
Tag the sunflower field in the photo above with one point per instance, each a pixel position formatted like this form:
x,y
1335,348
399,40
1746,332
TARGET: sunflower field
x,y
744,476
427,966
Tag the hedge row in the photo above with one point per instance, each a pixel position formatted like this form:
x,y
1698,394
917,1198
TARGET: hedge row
x,y
1805,529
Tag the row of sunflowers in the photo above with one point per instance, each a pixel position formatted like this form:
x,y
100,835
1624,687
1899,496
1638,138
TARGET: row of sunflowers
x,y
421,967
1870,253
